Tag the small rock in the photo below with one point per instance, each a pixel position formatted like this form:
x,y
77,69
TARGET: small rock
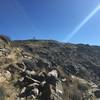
x,y
63,79
36,91
23,90
7,75
30,72
53,73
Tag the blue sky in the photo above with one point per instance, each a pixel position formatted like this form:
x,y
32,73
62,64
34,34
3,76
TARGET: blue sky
x,y
50,19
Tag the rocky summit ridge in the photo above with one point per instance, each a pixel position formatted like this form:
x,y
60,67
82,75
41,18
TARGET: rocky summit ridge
x,y
48,70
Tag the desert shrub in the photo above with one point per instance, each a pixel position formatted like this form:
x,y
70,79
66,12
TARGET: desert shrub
x,y
72,92
2,93
83,87
5,41
99,85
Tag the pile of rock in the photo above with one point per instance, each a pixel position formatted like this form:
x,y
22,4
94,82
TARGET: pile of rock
x,y
41,86
31,84
18,69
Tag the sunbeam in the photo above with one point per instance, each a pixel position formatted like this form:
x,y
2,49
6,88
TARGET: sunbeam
x,y
75,31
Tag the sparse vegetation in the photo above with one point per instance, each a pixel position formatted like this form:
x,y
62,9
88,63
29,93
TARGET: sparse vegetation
x,y
2,93
5,39
83,87
42,56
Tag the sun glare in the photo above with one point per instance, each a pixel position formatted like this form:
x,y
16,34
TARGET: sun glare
x,y
75,31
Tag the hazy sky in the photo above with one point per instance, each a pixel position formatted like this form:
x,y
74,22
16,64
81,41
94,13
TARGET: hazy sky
x,y
76,21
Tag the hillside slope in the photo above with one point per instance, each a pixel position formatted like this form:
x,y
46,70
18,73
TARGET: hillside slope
x,y
48,70
81,60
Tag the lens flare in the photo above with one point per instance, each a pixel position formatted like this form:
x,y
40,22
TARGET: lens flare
x,y
75,31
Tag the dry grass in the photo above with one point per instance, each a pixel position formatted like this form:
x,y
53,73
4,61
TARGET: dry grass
x,y
2,93
5,39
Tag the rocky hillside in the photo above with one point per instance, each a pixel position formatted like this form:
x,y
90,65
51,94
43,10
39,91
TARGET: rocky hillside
x,y
48,70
